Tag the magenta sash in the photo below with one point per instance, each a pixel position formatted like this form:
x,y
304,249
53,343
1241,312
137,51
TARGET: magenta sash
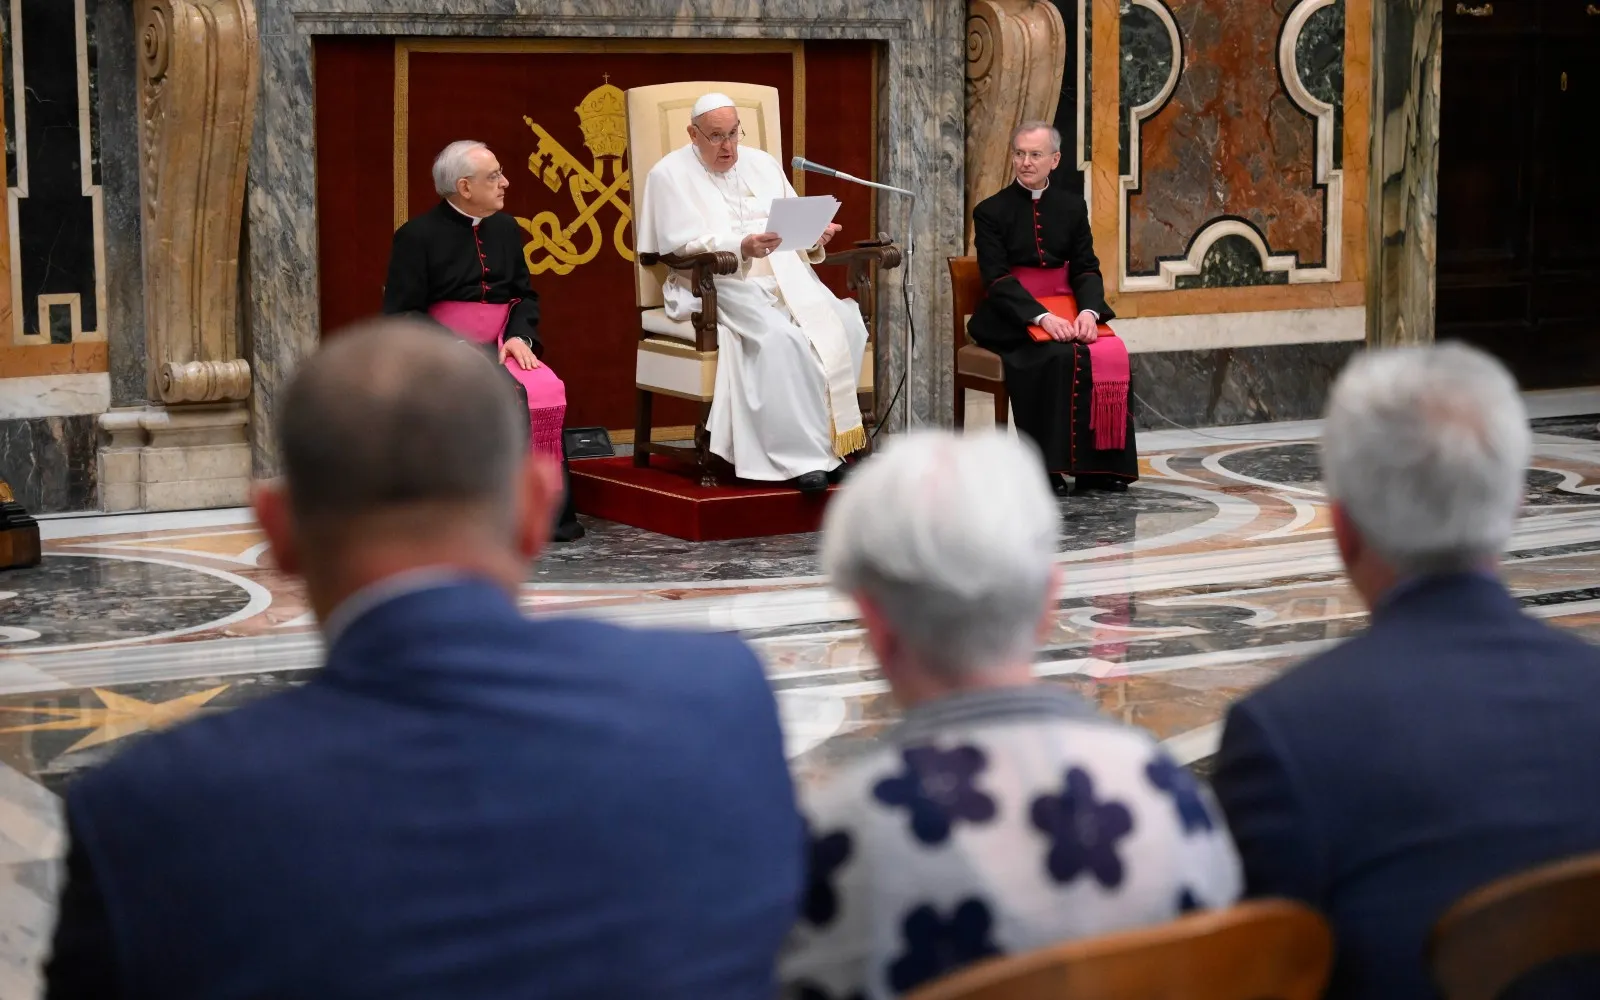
x,y
1110,370
485,323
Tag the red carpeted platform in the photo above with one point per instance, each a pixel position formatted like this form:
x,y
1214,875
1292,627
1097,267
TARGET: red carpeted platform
x,y
667,498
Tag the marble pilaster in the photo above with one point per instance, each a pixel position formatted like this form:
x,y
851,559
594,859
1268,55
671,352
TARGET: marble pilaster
x,y
921,105
117,51
1403,240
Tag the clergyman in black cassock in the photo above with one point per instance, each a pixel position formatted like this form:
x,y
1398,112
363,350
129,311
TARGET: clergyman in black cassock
x,y
437,257
1049,382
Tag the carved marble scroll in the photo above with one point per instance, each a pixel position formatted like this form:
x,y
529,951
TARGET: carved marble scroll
x,y
1016,50
198,73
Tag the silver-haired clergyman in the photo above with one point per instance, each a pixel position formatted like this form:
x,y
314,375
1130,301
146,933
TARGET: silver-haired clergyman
x,y
1002,814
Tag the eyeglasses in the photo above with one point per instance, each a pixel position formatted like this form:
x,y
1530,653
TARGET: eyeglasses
x,y
719,138
1030,155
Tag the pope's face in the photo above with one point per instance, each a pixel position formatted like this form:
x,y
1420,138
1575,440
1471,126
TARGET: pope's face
x,y
483,193
715,135
1033,159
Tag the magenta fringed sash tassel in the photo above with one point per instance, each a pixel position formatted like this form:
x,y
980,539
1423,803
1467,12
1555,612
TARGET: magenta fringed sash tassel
x,y
485,323
1110,369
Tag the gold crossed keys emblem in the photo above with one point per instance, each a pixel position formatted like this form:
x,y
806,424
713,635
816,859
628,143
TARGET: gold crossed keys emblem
x,y
554,245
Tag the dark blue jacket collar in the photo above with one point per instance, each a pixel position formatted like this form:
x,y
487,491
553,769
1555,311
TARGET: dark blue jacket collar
x,y
1465,593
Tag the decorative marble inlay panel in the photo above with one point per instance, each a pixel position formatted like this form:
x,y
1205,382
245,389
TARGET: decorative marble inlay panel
x,y
1232,262
1231,114
54,217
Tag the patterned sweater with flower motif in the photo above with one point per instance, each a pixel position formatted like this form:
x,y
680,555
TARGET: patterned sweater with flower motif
x,y
993,823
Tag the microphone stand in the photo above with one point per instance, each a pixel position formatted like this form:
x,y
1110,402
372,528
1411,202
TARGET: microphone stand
x,y
908,284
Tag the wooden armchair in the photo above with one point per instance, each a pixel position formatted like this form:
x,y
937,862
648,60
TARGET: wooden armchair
x,y
677,358
1513,926
1264,950
974,367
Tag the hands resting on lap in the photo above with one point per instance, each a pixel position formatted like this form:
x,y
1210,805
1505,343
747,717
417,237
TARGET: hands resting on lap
x,y
1083,330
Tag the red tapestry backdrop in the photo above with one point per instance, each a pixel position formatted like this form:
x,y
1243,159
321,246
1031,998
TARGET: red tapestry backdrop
x,y
529,106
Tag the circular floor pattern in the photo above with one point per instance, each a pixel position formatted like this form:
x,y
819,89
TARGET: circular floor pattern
x,y
79,599
1294,464
619,554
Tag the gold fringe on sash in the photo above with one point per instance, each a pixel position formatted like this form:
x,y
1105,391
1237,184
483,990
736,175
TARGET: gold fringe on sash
x,y
850,441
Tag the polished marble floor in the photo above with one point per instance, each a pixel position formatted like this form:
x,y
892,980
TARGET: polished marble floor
x,y
1214,574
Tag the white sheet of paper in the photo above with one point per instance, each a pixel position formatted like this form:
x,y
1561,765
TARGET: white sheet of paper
x,y
801,221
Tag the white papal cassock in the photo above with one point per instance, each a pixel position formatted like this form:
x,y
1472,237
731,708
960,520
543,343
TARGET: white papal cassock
x,y
788,349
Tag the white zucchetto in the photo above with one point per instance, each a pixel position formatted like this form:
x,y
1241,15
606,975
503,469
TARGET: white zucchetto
x,y
710,102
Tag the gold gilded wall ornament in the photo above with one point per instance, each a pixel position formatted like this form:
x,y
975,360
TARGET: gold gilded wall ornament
x,y
602,115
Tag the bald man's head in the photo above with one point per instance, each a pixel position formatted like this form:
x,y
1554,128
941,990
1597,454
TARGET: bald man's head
x,y
398,412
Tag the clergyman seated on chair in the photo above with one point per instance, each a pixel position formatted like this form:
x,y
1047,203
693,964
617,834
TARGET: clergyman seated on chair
x,y
784,406
1069,391
1002,814
461,264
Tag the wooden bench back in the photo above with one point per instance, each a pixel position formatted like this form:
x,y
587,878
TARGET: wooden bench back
x,y
1262,950
1510,927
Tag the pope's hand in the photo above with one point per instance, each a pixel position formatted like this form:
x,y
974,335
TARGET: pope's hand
x,y
760,244
1056,327
518,350
1086,328
829,233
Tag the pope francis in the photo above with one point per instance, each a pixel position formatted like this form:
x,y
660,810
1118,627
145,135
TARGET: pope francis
x,y
784,407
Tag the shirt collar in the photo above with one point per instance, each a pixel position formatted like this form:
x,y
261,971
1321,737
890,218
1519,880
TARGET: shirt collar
x,y
466,215
374,595
1039,700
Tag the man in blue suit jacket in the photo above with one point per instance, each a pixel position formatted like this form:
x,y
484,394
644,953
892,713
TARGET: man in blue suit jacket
x,y
1458,739
462,803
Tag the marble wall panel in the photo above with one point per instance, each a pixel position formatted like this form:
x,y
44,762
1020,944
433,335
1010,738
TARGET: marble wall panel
x,y
1236,385
50,462
921,124
1228,142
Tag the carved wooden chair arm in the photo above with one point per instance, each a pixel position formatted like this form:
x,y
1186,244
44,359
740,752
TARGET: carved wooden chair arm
x,y
703,269
880,251
719,261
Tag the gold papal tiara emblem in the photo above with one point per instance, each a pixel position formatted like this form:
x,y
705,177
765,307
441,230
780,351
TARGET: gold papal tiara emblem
x,y
603,117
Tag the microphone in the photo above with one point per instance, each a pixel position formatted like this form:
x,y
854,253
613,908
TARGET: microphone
x,y
801,163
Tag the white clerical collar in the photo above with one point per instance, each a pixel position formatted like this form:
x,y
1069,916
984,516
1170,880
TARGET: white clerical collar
x,y
1033,192
475,219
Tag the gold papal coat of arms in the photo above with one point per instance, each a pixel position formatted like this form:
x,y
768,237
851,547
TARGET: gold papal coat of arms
x,y
554,245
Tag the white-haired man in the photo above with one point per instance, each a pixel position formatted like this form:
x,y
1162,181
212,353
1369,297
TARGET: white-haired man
x,y
461,263
1066,374
1002,814
1458,739
789,350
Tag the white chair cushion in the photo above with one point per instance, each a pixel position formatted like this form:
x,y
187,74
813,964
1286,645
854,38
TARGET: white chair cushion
x,y
657,322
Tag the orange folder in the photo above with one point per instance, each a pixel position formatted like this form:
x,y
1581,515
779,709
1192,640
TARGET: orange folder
x,y
1064,306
